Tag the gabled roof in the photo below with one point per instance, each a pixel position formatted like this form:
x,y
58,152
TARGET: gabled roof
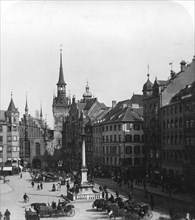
x,y
89,103
132,115
137,99
12,107
123,112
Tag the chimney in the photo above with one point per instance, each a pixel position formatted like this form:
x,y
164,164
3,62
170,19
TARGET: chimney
x,y
113,103
182,64
73,99
172,74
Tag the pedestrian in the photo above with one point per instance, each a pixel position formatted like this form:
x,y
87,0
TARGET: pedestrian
x,y
38,187
7,215
54,187
41,185
188,217
68,185
1,216
103,194
59,186
32,184
21,175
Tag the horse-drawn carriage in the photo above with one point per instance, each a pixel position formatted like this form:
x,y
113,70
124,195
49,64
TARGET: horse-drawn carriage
x,y
127,209
42,210
31,215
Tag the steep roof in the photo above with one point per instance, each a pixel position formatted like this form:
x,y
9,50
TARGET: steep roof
x,y
123,112
61,74
148,85
185,77
12,107
137,99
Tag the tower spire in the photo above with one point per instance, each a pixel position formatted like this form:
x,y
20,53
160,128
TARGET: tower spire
x,y
61,74
11,106
41,114
26,107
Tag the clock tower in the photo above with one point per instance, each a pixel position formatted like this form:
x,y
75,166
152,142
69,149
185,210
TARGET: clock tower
x,y
60,107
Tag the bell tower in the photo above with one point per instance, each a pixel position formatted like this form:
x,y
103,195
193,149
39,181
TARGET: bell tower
x,y
60,107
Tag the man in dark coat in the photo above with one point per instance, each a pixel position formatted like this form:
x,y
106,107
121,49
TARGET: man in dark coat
x,y
7,215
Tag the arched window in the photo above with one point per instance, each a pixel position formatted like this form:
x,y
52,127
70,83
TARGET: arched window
x,y
38,150
128,149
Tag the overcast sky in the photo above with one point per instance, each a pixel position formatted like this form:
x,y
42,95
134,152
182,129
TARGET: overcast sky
x,y
108,43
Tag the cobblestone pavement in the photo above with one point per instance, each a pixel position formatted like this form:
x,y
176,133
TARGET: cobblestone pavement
x,y
11,198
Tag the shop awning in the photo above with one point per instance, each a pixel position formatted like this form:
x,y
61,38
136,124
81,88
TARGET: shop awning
x,y
7,168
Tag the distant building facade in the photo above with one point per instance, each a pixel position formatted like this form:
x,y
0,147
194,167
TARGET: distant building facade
x,y
122,138
9,136
34,138
80,117
164,123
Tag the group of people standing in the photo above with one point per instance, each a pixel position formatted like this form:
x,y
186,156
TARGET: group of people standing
x,y
6,215
39,185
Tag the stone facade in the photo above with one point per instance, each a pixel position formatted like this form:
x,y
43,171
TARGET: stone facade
x,y
9,136
164,122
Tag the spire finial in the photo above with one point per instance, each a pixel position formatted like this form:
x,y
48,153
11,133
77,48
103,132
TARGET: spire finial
x,y
148,67
11,94
87,86
171,64
26,107
41,114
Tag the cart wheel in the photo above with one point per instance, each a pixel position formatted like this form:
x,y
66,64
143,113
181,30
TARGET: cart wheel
x,y
71,213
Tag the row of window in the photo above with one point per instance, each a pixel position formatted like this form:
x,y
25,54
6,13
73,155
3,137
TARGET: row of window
x,y
126,161
10,138
133,150
118,127
174,155
9,128
190,141
172,110
190,123
173,123
173,139
134,138
128,138
10,149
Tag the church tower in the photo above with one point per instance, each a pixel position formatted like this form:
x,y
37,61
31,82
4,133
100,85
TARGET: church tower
x,y
60,107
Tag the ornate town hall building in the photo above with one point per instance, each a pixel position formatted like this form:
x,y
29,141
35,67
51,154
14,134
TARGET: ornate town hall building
x,y
60,107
